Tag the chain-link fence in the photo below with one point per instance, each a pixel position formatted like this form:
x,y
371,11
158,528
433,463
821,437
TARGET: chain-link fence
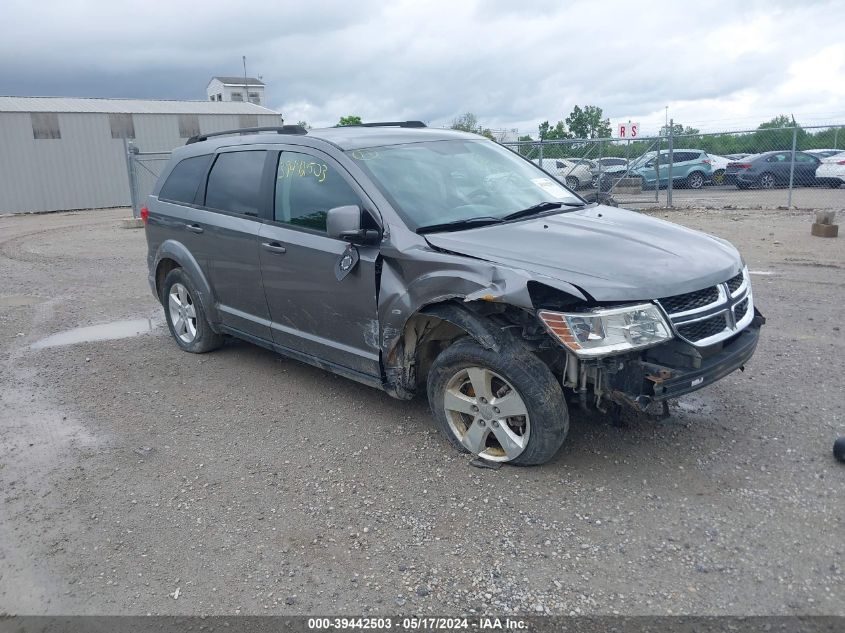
x,y
144,169
788,167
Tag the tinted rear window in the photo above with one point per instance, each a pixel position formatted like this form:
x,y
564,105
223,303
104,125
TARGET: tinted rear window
x,y
235,181
182,183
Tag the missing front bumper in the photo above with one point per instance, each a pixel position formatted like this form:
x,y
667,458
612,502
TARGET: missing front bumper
x,y
642,382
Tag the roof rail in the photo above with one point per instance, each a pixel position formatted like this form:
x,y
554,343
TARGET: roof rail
x,y
388,124
284,129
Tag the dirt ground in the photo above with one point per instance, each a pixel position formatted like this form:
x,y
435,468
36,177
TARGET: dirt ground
x,y
139,479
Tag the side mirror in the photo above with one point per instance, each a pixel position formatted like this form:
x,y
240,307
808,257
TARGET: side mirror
x,y
344,223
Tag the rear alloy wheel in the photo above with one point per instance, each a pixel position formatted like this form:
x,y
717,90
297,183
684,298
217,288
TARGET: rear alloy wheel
x,y
719,177
572,182
767,181
503,406
695,180
185,315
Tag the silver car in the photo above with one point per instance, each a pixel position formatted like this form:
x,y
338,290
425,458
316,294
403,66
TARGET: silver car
x,y
416,260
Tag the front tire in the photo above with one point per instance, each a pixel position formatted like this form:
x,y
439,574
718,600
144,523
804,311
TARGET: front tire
x,y
719,177
503,406
185,316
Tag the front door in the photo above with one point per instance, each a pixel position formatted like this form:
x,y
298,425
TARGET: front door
x,y
310,310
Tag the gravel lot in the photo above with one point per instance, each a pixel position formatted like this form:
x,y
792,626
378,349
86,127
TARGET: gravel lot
x,y
274,487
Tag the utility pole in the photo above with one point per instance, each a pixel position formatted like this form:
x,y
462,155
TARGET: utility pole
x,y
246,85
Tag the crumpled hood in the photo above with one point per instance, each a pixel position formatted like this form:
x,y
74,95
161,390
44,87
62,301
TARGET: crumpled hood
x,y
612,254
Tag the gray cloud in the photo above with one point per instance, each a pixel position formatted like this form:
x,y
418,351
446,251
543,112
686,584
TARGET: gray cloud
x,y
513,64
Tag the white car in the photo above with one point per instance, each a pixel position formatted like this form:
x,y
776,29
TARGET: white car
x,y
576,175
718,163
831,171
823,153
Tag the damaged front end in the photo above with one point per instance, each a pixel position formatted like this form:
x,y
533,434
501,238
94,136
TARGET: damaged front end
x,y
649,352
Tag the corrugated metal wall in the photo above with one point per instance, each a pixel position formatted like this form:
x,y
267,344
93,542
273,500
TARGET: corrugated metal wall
x,y
86,167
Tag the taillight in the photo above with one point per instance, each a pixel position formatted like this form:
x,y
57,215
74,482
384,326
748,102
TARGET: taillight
x,y
145,214
841,162
740,165
707,162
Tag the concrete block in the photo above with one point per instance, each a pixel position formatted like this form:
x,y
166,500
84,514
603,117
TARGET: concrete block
x,y
132,223
824,230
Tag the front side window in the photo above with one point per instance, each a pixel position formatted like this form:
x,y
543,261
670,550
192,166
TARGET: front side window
x,y
234,184
435,182
184,181
306,188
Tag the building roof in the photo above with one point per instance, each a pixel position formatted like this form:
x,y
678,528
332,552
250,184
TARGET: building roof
x,y
130,106
238,81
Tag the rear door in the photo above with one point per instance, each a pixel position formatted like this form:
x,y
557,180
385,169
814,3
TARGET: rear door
x,y
778,164
311,311
228,223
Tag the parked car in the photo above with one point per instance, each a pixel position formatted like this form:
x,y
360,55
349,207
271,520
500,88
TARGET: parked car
x,y
823,153
772,169
736,156
831,170
691,168
576,175
608,162
718,164
418,260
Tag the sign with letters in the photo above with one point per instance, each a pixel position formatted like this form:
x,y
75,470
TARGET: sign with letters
x,y
628,130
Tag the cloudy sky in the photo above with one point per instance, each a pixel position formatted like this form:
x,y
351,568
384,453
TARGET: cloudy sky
x,y
717,65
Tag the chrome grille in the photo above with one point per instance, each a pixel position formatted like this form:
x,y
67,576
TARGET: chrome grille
x,y
713,314
690,300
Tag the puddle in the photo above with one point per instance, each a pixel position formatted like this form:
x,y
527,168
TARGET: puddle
x,y
101,332
17,301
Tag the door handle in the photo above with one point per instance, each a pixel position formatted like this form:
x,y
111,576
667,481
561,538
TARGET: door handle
x,y
273,247
194,228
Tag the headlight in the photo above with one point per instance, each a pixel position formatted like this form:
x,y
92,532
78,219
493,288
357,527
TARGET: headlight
x,y
607,331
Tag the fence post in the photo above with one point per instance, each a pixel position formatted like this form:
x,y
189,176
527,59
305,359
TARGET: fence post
x,y
671,160
792,166
130,150
657,173
540,144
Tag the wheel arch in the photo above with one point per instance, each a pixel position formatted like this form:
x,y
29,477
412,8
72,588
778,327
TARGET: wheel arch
x,y
173,254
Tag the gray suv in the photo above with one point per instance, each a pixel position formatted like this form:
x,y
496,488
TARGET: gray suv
x,y
420,260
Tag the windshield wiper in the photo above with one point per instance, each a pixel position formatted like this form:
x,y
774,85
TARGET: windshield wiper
x,y
457,225
539,208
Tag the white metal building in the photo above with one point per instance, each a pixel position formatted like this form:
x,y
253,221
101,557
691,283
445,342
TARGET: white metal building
x,y
60,153
236,89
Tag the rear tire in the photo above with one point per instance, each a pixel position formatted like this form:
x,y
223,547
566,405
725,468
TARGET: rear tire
x,y
695,180
185,315
471,390
572,183
834,184
767,181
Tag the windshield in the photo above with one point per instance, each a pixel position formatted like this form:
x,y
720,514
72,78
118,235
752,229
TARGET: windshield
x,y
436,182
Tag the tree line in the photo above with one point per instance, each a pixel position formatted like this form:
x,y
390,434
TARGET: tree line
x,y
589,122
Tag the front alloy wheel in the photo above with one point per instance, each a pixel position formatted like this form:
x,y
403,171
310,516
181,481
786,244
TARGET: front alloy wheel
x,y
503,404
486,414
